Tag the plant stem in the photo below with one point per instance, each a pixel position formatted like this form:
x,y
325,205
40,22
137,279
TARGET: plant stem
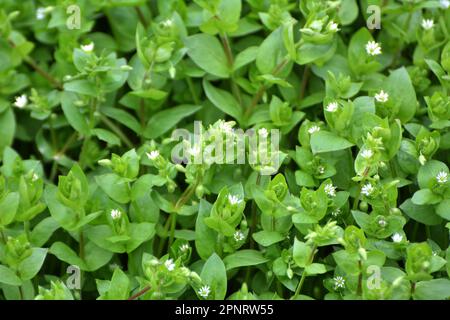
x,y
21,293
143,117
162,240
230,59
305,79
117,131
26,227
358,194
262,88
302,279
172,229
359,289
30,61
141,17
192,90
3,236
81,245
140,293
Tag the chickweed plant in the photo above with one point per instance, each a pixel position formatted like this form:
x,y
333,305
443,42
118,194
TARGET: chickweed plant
x,y
224,149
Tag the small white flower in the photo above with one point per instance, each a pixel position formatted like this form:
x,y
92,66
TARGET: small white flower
x,y
367,189
40,13
35,177
422,159
366,153
169,264
21,101
382,96
427,24
442,177
336,212
332,107
88,47
373,48
313,129
397,237
204,291
434,253
330,190
339,282
316,25
223,126
263,133
333,26
382,223
153,154
115,214
167,23
233,200
445,4
321,170
184,247
239,236
172,72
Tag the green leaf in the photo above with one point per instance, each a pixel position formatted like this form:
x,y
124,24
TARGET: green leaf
x,y
29,267
245,57
436,289
267,238
214,274
205,237
165,120
7,129
83,87
271,52
443,209
401,91
73,113
7,276
301,253
423,214
207,52
315,268
119,286
152,93
244,258
8,208
123,117
223,100
107,136
324,141
116,187
425,196
43,231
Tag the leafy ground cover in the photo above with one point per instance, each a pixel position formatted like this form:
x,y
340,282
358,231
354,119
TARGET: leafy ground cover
x,y
224,149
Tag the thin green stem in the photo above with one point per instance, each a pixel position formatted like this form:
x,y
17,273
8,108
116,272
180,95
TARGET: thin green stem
x,y
117,131
172,229
81,245
259,94
162,240
302,279
229,54
26,227
359,288
140,293
358,192
192,90
141,16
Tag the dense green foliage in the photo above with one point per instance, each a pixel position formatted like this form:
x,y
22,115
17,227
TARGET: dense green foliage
x,y
94,205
